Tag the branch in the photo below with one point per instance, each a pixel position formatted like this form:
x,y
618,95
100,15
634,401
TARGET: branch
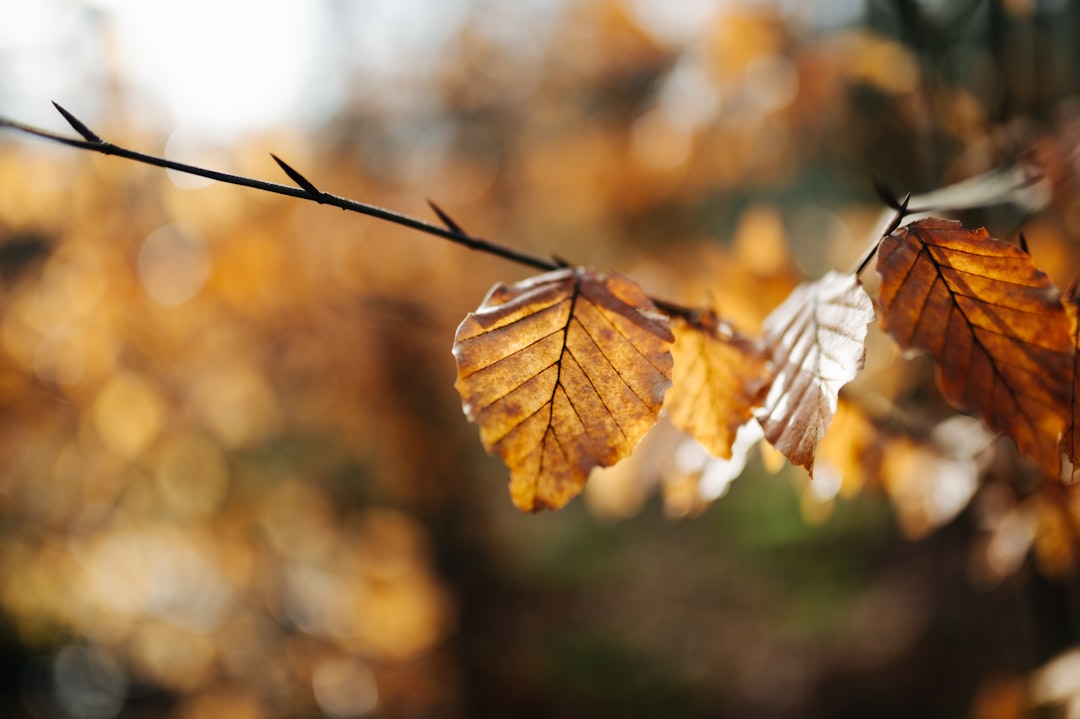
x,y
1016,184
305,191
902,211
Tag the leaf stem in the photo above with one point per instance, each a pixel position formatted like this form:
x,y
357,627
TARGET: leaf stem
x,y
902,211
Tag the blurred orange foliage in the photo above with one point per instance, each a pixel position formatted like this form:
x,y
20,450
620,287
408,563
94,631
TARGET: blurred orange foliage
x,y
234,476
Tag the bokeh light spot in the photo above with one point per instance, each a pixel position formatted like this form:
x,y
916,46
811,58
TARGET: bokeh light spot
x,y
192,475
70,288
672,23
128,414
178,658
160,572
173,264
659,143
61,356
344,688
299,521
88,684
760,240
185,146
772,82
235,403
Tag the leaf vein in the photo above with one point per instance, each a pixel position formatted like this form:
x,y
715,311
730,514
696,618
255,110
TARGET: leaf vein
x,y
611,364
599,396
622,334
511,355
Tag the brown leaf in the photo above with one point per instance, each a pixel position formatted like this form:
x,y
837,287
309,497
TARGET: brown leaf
x,y
719,378
1070,440
991,321
563,372
815,340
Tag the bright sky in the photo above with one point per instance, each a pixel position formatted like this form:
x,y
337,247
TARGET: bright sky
x,y
216,69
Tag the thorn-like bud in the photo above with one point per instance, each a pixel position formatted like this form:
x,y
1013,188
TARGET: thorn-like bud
x,y
1024,244
560,261
445,219
304,183
901,213
885,194
78,125
1070,291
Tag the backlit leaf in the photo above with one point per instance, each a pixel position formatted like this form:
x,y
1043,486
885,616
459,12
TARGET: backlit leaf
x,y
1070,441
815,340
563,372
993,324
719,379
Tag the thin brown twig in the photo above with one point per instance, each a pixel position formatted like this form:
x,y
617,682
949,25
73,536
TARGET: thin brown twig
x,y
306,190
902,211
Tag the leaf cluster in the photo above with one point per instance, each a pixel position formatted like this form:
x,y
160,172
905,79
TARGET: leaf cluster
x,y
991,321
567,371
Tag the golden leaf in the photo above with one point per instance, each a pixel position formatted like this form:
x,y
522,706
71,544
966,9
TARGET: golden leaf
x,y
719,378
845,447
815,340
563,372
993,324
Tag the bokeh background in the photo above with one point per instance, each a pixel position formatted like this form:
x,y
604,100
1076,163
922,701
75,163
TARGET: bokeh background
x,y
235,478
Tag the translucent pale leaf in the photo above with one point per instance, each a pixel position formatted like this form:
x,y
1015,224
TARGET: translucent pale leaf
x,y
816,342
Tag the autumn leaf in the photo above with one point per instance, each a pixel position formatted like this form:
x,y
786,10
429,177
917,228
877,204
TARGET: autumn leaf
x,y
563,372
991,321
1070,440
815,340
719,379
